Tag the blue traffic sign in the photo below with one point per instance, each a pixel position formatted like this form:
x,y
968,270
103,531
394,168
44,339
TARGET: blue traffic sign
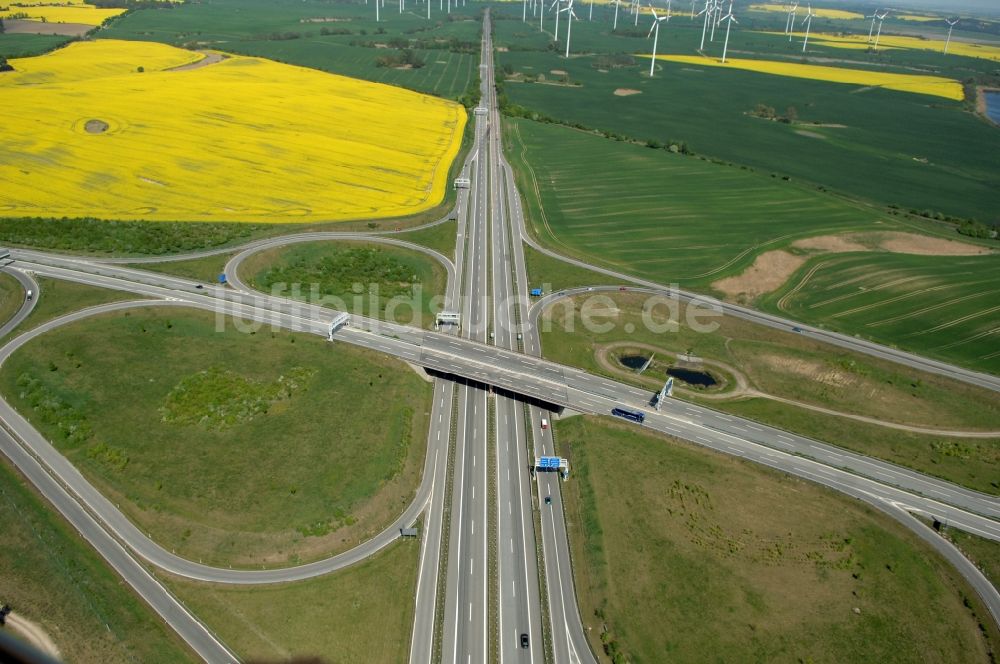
x,y
548,462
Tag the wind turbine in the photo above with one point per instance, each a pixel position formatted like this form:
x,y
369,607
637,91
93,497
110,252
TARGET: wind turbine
x,y
808,20
871,29
617,2
704,29
729,19
590,17
570,15
638,8
377,3
524,11
655,28
790,20
951,26
716,10
555,3
880,19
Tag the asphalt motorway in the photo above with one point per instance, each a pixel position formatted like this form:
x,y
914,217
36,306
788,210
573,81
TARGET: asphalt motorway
x,y
466,617
519,373
517,583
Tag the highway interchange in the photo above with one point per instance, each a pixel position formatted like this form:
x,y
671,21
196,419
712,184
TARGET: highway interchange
x,y
484,584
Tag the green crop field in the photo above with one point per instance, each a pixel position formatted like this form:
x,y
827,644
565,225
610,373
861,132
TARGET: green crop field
x,y
678,553
51,576
251,451
360,614
943,307
25,45
663,216
910,150
341,38
678,219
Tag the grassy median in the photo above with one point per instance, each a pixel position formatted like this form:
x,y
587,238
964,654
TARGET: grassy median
x,y
252,447
360,614
690,555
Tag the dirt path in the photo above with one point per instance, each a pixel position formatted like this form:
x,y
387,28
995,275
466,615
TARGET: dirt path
x,y
211,57
33,633
881,423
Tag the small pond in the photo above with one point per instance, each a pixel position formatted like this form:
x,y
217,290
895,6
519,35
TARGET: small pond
x,y
692,377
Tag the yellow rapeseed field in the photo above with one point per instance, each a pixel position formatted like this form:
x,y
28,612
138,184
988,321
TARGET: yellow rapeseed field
x,y
985,51
245,139
927,85
818,12
77,13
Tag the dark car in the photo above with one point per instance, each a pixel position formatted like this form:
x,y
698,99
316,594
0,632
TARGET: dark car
x,y
524,640
199,286
548,500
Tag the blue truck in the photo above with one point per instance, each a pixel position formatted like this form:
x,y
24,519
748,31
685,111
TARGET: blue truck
x,y
536,292
633,415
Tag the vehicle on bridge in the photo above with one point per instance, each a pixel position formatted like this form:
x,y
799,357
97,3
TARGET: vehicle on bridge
x,y
633,415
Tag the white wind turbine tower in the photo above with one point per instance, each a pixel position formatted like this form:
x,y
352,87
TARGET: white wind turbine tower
x,y
591,16
524,11
555,3
881,18
871,28
638,10
716,11
951,26
729,19
617,2
790,20
808,20
707,11
655,31
570,15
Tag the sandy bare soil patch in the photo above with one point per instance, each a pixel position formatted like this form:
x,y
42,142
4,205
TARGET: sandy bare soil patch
x,y
33,633
925,245
626,92
809,134
814,371
559,72
23,27
831,243
773,268
211,57
95,126
769,271
325,19
502,49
